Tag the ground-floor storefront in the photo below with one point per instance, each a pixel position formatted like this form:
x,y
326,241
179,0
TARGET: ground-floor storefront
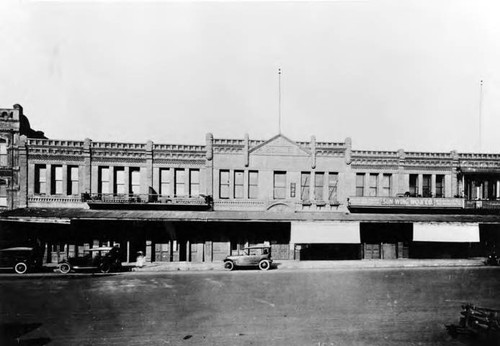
x,y
209,237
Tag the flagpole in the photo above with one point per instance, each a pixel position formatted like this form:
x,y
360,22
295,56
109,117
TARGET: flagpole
x,y
480,113
279,101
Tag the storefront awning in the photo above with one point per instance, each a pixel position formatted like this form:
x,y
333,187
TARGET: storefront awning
x,y
446,232
325,233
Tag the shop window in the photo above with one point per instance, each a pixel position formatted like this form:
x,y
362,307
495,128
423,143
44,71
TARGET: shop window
x,y
3,192
373,184
223,184
56,180
253,184
103,179
440,186
279,184
386,185
194,182
135,180
414,185
3,152
165,182
426,185
333,180
40,179
305,180
73,180
119,183
319,183
180,177
360,184
238,184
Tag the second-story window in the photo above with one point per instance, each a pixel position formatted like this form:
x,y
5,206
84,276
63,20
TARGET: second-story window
x,y
373,184
279,191
414,185
165,182
333,180
3,152
224,183
426,185
440,186
360,184
253,184
40,179
180,181
238,184
305,180
194,182
319,183
73,185
386,185
57,180
135,180
119,187
103,180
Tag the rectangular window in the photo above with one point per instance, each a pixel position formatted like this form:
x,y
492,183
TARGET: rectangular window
x,y
103,179
194,182
165,182
180,178
386,184
279,185
319,183
360,184
305,180
440,186
253,184
414,185
373,184
135,180
426,185
40,179
119,187
73,180
333,180
3,193
56,183
223,184
3,152
238,184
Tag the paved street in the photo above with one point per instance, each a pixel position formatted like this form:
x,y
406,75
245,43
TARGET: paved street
x,y
280,307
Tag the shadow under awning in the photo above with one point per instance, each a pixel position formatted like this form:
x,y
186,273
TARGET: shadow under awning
x,y
325,233
446,232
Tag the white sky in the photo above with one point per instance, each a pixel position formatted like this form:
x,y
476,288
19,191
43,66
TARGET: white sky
x,y
390,74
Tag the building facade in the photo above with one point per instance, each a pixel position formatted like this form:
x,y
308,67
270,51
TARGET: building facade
x,y
307,200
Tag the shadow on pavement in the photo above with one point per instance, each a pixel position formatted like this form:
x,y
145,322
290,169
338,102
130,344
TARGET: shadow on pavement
x,y
10,333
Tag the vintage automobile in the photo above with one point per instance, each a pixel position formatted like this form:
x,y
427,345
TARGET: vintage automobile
x,y
258,256
21,259
480,322
103,259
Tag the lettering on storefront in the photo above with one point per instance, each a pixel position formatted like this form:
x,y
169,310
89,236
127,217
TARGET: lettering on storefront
x,y
409,202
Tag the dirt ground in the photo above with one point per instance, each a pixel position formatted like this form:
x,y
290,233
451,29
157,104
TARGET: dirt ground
x,y
303,307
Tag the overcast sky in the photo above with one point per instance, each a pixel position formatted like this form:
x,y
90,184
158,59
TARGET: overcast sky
x,y
390,74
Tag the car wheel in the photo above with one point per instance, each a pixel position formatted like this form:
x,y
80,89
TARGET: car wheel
x,y
64,268
264,265
105,268
228,265
21,268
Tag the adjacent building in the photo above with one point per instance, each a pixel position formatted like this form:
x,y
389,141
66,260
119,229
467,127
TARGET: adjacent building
x,y
307,200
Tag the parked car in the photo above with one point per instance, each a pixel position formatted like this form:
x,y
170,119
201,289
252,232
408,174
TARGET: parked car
x,y
103,259
20,259
255,256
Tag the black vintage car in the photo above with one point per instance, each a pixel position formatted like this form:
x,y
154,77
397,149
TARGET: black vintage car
x,y
21,259
102,259
254,256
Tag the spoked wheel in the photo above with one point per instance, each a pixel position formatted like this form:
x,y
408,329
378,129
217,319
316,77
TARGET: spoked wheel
x,y
105,268
21,268
228,265
264,265
64,268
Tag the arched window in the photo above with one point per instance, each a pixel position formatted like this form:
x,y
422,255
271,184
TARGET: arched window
x,y
3,192
3,152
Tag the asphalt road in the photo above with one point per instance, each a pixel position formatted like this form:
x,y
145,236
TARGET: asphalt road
x,y
303,307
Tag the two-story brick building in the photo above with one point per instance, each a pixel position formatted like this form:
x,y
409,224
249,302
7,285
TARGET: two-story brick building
x,y
308,200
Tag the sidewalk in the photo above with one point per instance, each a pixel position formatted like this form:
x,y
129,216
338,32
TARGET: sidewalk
x,y
290,264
